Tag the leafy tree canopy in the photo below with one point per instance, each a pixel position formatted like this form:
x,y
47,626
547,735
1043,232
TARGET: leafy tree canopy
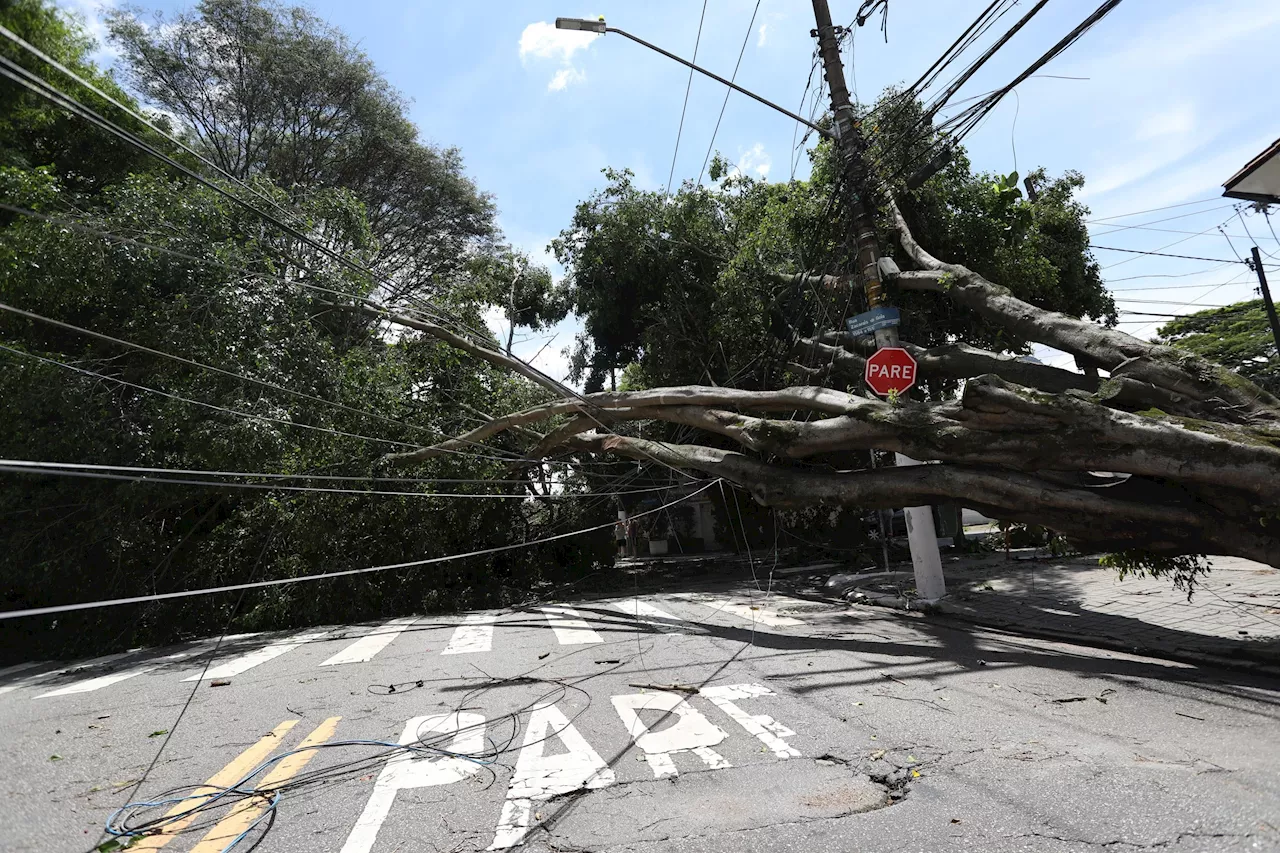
x,y
1237,336
687,287
271,90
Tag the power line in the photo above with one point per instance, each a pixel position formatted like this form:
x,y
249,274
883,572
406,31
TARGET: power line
x,y
687,88
1156,209
1171,287
164,596
32,82
31,315
25,78
21,467
1158,248
1171,275
257,475
201,403
1115,228
1160,302
371,305
725,103
1161,254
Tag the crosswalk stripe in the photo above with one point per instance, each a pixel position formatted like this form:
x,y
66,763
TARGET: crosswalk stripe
x,y
248,661
475,634
21,667
570,628
245,812
645,612
229,775
753,613
91,684
41,677
370,644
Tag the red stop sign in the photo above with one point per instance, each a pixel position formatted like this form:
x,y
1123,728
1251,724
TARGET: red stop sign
x,y
890,369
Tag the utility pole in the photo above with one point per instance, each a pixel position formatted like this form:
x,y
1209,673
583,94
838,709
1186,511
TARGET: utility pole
x,y
1266,297
921,533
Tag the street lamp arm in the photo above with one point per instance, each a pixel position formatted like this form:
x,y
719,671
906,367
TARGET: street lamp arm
x,y
822,130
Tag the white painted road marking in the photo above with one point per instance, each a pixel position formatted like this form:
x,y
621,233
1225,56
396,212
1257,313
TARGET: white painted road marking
x,y
692,731
569,626
405,770
643,611
40,677
539,777
766,728
363,649
248,661
756,614
21,667
91,684
475,634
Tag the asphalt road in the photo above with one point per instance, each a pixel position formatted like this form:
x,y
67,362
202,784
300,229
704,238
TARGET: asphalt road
x,y
795,726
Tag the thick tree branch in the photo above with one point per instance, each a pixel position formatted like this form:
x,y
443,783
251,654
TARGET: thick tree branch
x,y
1175,371
994,423
1097,516
484,353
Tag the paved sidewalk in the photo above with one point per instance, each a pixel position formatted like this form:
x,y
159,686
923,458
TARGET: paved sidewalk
x,y
1234,614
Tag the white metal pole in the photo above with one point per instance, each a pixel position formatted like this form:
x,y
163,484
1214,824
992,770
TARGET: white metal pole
x,y
922,536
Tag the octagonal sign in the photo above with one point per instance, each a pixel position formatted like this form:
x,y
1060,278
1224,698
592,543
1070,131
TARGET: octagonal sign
x,y
890,369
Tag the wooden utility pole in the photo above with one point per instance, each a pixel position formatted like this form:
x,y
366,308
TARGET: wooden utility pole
x,y
1266,297
921,533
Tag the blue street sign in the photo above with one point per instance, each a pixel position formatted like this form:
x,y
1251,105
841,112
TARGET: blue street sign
x,y
876,318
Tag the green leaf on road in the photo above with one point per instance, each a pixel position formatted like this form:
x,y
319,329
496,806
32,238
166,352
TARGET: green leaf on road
x,y
158,732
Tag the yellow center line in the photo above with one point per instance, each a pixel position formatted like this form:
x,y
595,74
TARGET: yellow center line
x,y
229,775
246,811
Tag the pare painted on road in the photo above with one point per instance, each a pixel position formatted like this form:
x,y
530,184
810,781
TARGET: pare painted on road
x,y
539,776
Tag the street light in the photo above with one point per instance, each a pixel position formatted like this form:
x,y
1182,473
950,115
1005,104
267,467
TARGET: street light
x,y
583,24
599,27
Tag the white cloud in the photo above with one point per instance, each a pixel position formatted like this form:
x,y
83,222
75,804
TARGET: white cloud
x,y
1178,120
757,160
764,29
92,13
542,41
564,77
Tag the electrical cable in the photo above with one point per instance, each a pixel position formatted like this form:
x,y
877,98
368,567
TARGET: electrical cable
x,y
733,77
19,467
38,85
201,403
1116,228
688,88
164,596
371,304
31,315
1156,209
1159,254
136,469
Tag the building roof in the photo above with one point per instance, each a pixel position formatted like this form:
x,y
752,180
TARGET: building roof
x,y
1259,180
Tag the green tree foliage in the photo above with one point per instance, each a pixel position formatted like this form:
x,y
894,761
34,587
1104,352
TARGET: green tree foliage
x,y
1237,336
147,256
33,132
685,286
272,90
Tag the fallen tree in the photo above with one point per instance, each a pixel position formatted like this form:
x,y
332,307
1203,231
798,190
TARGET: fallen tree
x,y
1147,449
1191,450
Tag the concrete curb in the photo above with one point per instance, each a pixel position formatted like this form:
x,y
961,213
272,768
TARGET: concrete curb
x,y
941,613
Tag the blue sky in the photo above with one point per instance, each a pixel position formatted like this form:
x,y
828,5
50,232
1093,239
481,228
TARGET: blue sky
x,y
1175,102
